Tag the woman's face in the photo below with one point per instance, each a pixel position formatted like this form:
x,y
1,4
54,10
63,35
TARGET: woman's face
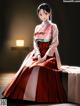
x,y
43,15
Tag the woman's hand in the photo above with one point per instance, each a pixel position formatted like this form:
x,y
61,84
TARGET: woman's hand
x,y
42,59
39,57
36,57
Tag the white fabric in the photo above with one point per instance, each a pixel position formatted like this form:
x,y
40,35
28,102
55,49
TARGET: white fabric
x,y
27,62
36,48
54,42
30,91
73,82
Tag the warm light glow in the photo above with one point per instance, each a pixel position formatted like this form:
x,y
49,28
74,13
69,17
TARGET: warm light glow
x,y
20,43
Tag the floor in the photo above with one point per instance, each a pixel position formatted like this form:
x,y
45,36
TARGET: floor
x,y
6,77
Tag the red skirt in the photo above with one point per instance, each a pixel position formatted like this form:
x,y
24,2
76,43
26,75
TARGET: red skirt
x,y
41,83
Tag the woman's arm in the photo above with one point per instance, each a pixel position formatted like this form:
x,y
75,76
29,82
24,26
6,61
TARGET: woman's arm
x,y
54,42
36,48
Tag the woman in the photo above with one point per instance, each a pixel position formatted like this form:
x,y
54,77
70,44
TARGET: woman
x,y
38,78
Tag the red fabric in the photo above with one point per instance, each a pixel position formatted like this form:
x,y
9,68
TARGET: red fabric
x,y
49,86
43,47
15,89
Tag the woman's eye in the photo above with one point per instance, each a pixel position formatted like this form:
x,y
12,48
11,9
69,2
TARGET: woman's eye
x,y
40,14
46,13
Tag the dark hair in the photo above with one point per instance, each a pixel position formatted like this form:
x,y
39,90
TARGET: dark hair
x,y
45,7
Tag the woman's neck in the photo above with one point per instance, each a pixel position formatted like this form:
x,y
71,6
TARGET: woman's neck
x,y
45,22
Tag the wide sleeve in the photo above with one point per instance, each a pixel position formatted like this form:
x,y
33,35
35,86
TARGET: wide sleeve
x,y
35,45
54,42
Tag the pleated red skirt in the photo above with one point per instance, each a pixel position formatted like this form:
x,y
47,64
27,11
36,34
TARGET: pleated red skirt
x,y
41,83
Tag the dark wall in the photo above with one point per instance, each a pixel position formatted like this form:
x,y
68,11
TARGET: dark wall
x,y
65,15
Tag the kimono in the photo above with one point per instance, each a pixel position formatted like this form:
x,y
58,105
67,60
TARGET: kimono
x,y
40,82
